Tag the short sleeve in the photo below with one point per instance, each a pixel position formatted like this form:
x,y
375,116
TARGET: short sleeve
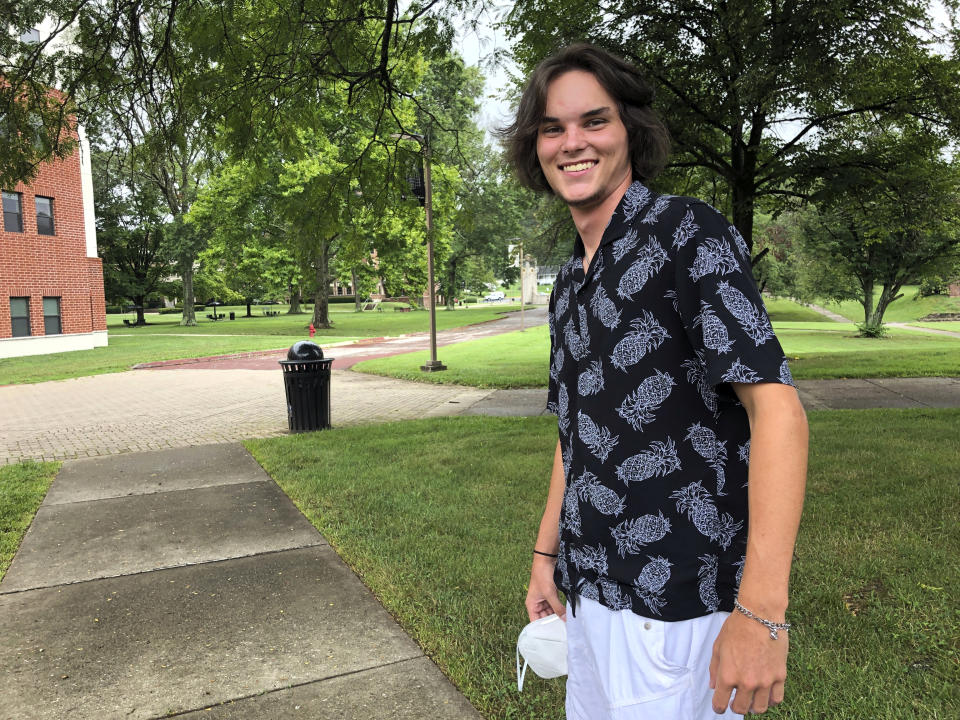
x,y
718,300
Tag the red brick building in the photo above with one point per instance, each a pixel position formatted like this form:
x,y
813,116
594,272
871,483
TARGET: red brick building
x,y
51,280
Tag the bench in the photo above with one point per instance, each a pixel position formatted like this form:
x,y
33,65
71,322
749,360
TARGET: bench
x,y
402,309
129,323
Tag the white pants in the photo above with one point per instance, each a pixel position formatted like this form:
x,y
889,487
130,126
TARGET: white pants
x,y
625,667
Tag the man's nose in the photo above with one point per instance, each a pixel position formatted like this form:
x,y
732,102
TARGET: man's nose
x,y
573,140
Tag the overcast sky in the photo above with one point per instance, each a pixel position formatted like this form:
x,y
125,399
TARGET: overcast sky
x,y
478,47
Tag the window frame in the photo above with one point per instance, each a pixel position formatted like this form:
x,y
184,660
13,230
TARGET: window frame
x,y
47,319
11,195
53,225
15,318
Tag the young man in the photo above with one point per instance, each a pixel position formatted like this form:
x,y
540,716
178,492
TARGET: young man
x,y
678,421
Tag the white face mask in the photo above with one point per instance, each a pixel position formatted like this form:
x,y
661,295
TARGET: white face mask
x,y
543,644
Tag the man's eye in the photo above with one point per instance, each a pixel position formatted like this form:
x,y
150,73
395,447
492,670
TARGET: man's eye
x,y
595,122
550,130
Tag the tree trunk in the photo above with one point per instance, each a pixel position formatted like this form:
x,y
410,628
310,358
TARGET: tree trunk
x,y
138,301
887,296
743,177
867,300
743,201
189,316
451,282
356,292
321,314
249,303
294,300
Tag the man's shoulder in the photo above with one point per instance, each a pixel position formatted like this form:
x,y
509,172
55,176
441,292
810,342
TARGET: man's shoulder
x,y
665,207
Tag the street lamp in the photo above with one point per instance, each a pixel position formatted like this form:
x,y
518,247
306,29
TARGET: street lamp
x,y
433,365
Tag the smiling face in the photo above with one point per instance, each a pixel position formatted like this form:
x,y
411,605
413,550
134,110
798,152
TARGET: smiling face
x,y
582,143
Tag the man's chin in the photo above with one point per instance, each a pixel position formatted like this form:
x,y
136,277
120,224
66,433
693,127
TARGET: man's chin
x,y
582,202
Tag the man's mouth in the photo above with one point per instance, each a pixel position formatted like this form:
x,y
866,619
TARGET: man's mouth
x,y
578,166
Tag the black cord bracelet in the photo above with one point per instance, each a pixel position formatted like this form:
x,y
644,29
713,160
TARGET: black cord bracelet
x,y
537,552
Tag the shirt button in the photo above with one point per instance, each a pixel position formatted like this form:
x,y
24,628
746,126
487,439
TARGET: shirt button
x,y
647,626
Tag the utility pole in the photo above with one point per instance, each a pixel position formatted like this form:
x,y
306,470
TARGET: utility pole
x,y
522,319
433,365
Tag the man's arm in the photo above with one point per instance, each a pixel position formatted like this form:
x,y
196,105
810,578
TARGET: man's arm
x,y
745,657
542,596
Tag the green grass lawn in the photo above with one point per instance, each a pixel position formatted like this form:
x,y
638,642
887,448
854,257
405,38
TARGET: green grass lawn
x,y
510,360
951,325
782,309
907,309
346,322
22,489
816,350
438,516
165,339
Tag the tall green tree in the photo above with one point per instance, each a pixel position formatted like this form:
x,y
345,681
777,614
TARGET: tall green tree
x,y
745,87
149,102
131,236
885,216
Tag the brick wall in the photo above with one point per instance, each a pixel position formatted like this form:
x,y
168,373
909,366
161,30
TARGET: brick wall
x,y
38,266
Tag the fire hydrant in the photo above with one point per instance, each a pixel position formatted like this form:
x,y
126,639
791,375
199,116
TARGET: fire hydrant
x,y
313,330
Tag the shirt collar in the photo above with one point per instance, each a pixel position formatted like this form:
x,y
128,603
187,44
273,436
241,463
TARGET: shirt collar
x,y
639,197
616,228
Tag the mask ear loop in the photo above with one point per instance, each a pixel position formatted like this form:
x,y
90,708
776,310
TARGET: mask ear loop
x,y
520,675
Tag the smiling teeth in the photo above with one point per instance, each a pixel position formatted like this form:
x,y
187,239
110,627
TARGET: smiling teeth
x,y
579,166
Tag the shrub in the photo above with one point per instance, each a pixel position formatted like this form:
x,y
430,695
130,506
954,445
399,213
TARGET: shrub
x,y
870,330
933,285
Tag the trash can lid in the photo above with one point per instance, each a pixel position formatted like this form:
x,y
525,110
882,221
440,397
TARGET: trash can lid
x,y
304,350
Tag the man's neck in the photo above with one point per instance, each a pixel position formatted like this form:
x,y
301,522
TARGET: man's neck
x,y
591,222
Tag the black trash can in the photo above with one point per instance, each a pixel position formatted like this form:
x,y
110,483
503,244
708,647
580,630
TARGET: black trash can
x,y
306,380
233,315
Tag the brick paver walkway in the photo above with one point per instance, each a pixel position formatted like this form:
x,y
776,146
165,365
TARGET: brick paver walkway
x,y
150,410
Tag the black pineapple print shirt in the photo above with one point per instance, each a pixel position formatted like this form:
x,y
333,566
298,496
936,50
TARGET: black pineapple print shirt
x,y
655,445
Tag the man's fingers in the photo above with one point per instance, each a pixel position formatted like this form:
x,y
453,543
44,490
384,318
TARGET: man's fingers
x,y
761,700
721,699
557,606
742,701
776,693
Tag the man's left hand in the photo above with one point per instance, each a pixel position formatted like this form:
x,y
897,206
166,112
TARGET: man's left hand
x,y
747,660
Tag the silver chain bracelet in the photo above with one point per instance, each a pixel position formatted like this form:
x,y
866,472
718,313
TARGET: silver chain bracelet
x,y
773,627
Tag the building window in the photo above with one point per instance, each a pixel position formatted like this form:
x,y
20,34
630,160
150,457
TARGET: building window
x,y
31,36
51,316
12,212
20,316
44,215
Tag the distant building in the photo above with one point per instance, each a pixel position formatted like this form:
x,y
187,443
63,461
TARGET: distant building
x,y
51,280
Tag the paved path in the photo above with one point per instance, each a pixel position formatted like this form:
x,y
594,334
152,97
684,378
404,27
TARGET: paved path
x,y
185,582
932,331
346,355
217,400
826,313
149,410
229,399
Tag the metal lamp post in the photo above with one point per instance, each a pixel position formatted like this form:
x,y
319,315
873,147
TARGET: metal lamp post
x,y
433,365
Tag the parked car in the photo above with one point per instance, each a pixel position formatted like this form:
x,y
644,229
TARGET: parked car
x,y
495,296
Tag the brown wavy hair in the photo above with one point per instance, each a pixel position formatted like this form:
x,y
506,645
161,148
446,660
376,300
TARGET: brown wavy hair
x,y
646,133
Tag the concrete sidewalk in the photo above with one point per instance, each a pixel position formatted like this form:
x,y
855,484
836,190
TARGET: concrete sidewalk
x,y
185,582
